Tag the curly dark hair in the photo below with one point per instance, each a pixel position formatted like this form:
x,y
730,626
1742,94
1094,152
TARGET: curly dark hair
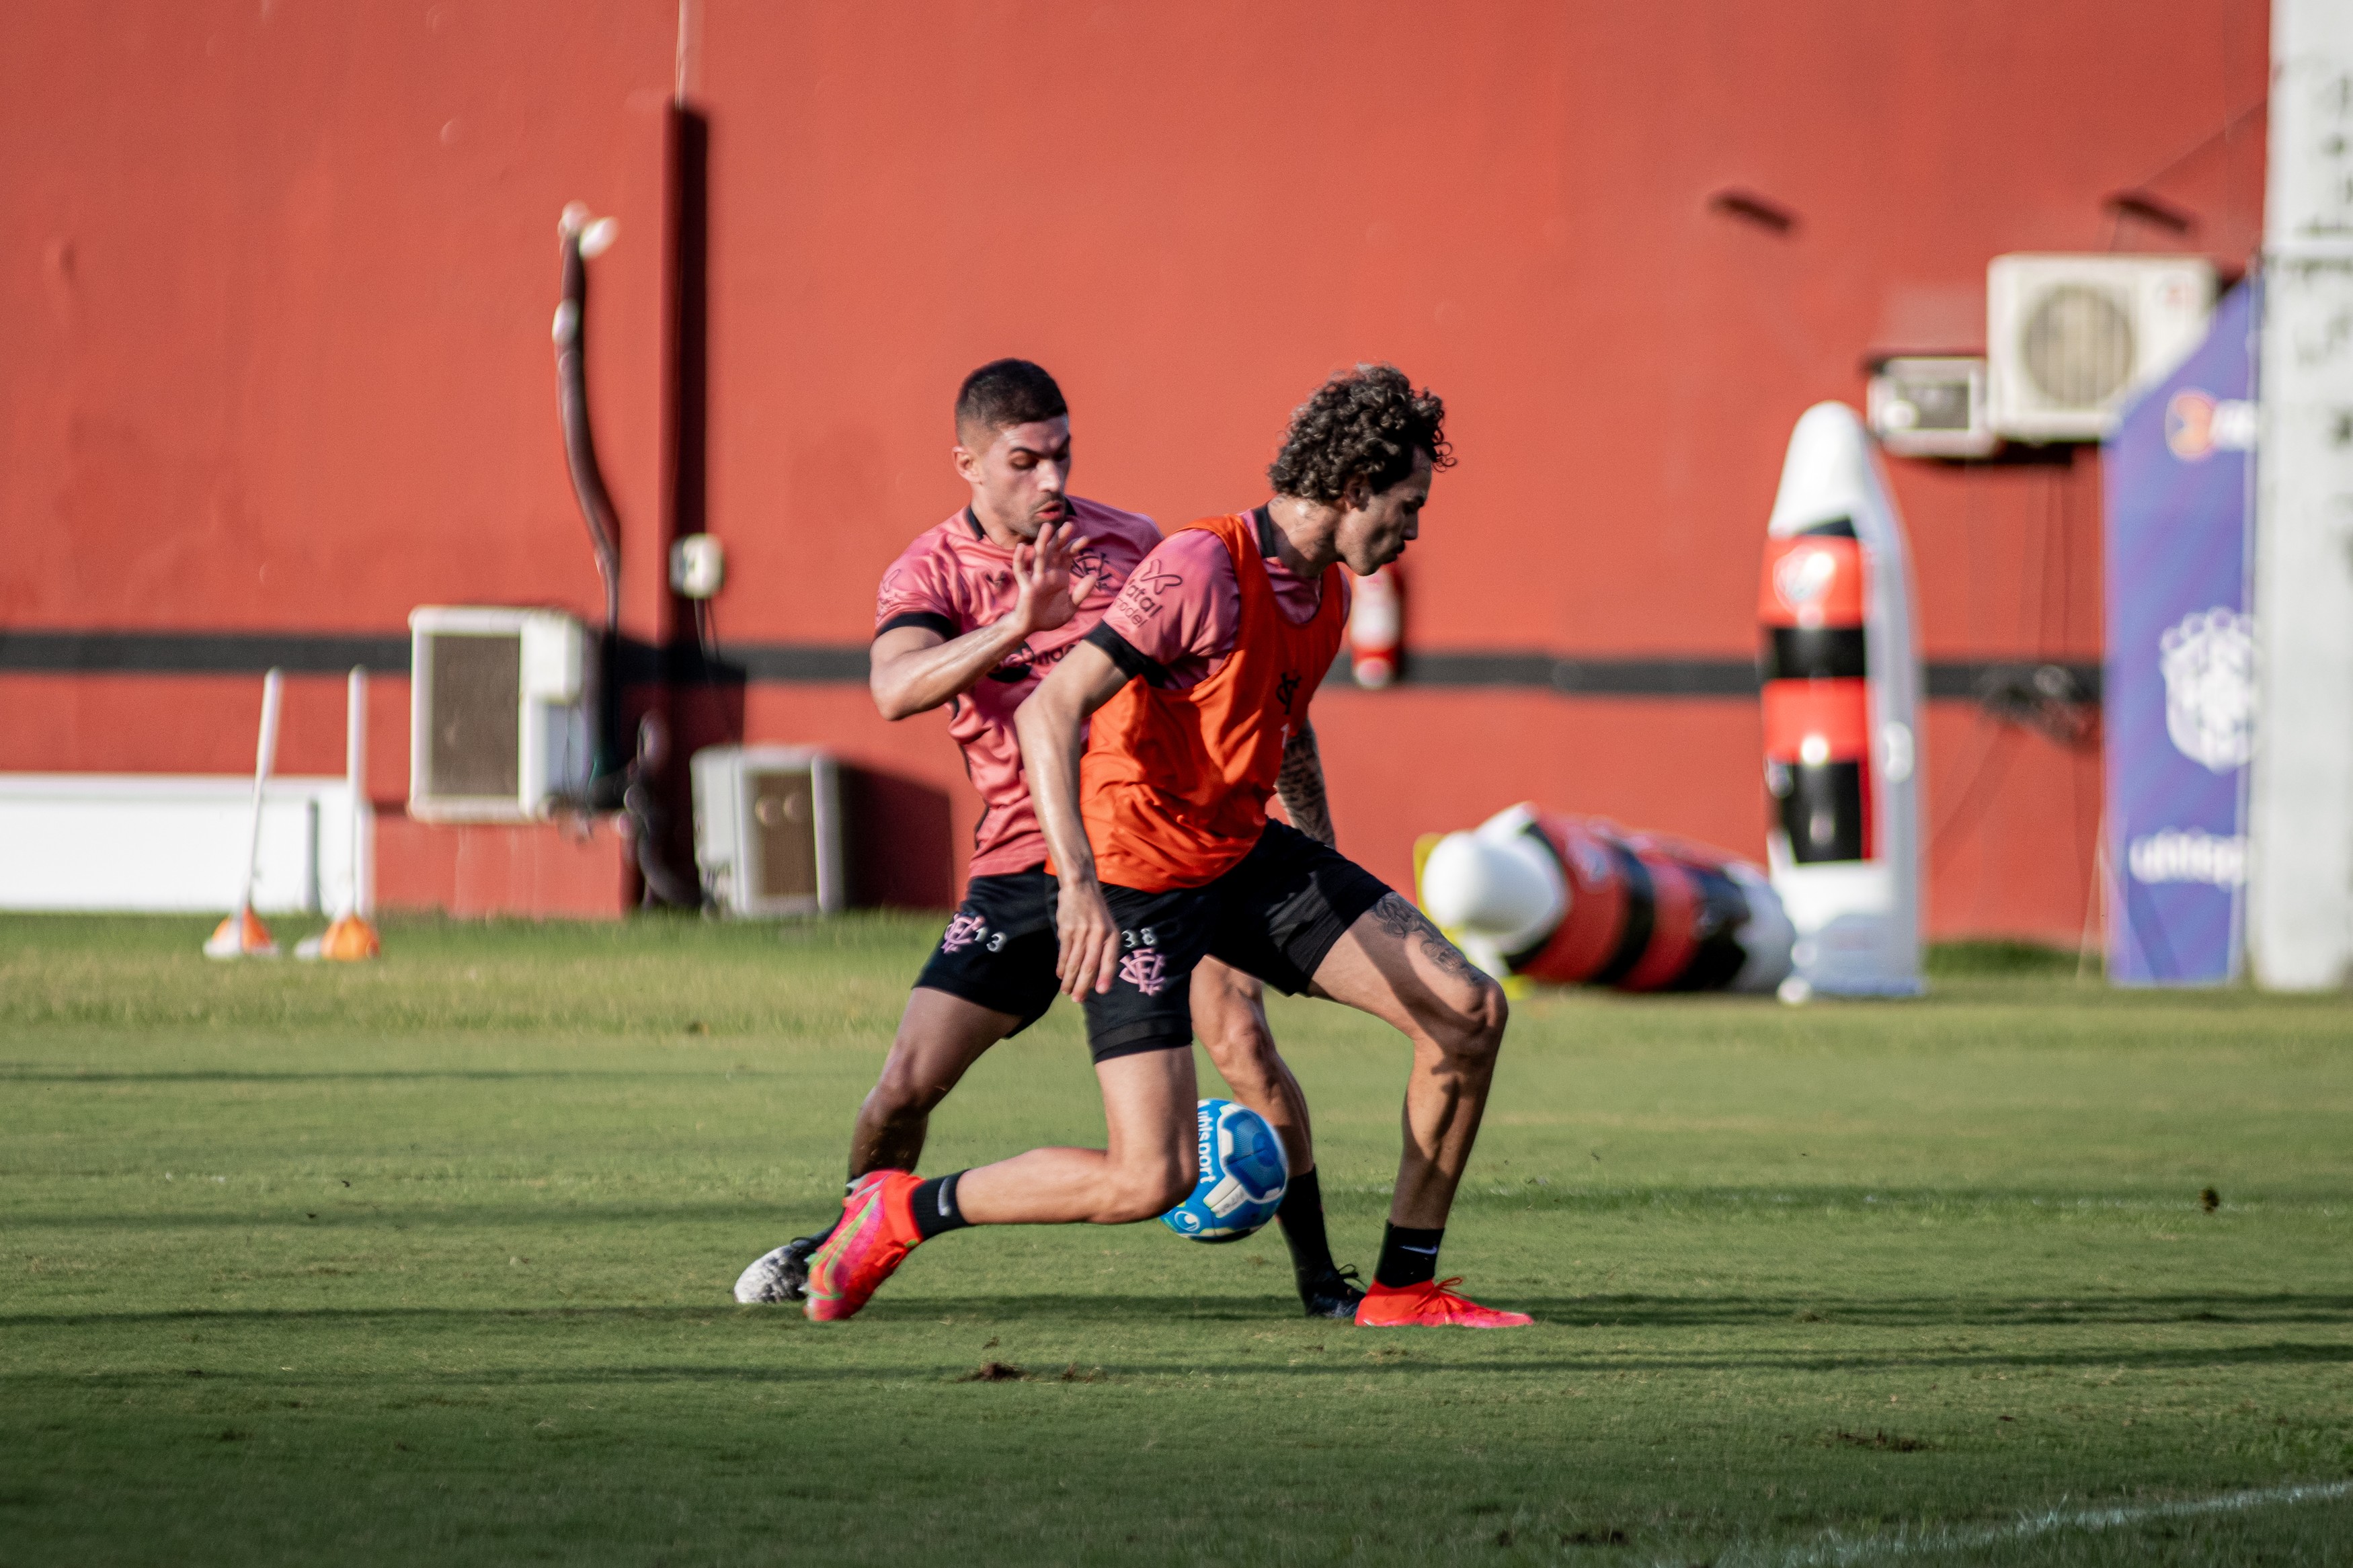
x,y
1367,424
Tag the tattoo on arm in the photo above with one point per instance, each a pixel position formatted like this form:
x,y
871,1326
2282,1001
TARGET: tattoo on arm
x,y
1300,786
1402,920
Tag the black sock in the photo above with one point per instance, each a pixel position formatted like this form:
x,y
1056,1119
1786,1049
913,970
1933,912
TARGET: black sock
x,y
819,1239
935,1206
1408,1257
1302,1218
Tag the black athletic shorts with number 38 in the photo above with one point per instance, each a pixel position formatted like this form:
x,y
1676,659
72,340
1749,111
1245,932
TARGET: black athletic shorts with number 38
x,y
1276,913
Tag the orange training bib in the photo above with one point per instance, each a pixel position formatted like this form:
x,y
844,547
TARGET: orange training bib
x,y
1174,785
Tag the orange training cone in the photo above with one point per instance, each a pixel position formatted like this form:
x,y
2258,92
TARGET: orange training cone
x,y
349,938
241,935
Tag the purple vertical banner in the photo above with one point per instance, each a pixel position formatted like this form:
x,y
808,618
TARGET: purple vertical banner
x,y
2179,692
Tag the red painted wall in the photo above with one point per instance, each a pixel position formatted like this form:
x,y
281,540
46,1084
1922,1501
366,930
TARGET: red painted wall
x,y
275,282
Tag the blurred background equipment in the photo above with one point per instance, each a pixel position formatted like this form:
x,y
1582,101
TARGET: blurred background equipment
x,y
698,567
1840,669
631,785
1931,406
768,830
499,703
697,570
2070,338
579,238
242,934
1377,627
170,843
1580,901
2179,682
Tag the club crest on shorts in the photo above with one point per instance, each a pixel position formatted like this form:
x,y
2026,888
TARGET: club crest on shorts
x,y
963,931
1145,970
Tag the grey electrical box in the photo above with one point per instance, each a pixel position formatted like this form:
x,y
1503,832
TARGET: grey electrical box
x,y
768,830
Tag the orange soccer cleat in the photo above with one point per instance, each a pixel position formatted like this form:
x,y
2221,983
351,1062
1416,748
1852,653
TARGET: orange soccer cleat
x,y
876,1233
1432,1306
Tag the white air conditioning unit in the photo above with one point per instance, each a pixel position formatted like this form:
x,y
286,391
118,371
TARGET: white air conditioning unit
x,y
768,830
499,714
1932,408
2069,338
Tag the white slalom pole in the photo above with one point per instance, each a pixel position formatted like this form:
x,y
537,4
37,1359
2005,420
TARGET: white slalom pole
x,y
356,779
352,936
349,935
265,755
243,934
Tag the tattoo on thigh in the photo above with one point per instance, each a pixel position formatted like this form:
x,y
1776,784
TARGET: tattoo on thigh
x,y
1402,920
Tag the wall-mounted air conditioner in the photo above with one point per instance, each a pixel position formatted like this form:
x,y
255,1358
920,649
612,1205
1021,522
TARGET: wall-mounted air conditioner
x,y
2069,338
500,705
1924,406
768,830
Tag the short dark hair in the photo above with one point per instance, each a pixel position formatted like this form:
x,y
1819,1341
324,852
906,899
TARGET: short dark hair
x,y
1008,392
1367,424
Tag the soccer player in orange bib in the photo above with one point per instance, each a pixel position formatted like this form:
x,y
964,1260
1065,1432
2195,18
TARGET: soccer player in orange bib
x,y
1196,685
970,617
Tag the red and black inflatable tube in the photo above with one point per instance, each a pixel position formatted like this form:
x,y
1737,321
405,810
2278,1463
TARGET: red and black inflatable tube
x,y
1816,669
1645,914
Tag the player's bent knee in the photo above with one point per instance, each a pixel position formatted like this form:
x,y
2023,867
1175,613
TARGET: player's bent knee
x,y
1471,1035
1490,1012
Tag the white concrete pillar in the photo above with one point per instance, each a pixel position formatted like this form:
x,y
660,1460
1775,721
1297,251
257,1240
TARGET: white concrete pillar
x,y
2300,891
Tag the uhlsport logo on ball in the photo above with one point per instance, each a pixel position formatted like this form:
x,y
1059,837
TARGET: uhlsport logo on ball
x,y
1243,1175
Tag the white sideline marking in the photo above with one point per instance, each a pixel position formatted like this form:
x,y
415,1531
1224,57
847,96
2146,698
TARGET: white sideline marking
x,y
1834,1552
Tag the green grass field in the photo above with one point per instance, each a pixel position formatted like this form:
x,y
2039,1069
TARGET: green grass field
x,y
428,1260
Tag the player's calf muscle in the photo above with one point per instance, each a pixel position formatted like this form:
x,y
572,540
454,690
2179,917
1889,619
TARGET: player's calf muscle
x,y
1134,1196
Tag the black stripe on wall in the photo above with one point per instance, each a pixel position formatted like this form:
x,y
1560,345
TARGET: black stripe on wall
x,y
250,653
1586,677
198,653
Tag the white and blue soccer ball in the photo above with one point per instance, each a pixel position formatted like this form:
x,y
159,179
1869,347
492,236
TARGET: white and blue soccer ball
x,y
1243,1175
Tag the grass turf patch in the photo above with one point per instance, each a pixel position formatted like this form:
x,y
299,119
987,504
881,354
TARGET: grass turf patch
x,y
429,1258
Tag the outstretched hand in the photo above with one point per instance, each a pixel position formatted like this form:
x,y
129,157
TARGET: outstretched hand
x,y
1049,595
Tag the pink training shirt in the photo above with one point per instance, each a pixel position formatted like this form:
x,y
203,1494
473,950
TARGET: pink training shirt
x,y
954,579
1182,606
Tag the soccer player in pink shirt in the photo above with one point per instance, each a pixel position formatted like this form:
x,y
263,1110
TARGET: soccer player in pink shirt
x,y
971,617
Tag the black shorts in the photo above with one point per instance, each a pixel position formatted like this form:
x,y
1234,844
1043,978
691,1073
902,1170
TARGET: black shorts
x,y
1274,915
998,951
